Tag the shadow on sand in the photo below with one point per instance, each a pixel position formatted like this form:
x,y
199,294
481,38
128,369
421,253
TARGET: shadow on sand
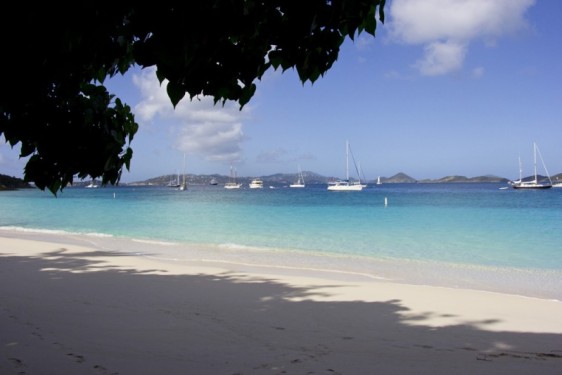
x,y
72,313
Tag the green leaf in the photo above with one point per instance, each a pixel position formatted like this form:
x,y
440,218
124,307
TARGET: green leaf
x,y
175,92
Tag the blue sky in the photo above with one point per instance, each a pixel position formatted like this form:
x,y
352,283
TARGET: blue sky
x,y
447,87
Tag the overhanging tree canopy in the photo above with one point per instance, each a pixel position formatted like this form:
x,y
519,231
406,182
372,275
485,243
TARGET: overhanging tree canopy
x,y
57,56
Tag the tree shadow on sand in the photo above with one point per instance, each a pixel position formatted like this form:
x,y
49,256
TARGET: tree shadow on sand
x,y
75,313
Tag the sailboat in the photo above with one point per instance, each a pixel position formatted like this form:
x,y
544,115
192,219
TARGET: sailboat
x,y
183,185
232,184
534,183
174,182
347,184
379,180
92,185
300,180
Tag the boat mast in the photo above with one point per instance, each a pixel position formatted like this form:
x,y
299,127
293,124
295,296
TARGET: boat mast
x,y
535,159
183,184
543,164
347,160
520,170
232,174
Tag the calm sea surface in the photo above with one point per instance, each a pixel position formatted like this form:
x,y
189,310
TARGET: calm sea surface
x,y
471,235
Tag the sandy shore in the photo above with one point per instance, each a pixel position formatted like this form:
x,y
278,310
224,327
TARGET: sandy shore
x,y
67,308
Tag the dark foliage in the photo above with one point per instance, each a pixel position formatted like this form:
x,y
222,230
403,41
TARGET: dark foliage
x,y
57,56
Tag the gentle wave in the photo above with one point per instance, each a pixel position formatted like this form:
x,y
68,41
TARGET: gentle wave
x,y
52,231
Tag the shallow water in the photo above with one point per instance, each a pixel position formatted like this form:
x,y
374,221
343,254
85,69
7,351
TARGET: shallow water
x,y
470,235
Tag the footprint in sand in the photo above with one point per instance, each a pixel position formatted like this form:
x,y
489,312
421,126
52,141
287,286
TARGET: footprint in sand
x,y
77,357
18,365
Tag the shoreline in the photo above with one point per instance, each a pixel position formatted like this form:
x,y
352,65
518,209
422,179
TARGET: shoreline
x,y
75,307
533,283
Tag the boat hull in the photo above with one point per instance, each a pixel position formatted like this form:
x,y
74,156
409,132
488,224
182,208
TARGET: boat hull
x,y
533,187
345,187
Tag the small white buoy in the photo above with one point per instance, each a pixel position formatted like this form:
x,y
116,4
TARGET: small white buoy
x,y
385,201
113,195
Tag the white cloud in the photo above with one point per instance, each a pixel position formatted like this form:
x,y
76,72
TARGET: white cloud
x,y
197,126
446,27
441,58
364,41
3,149
10,162
477,72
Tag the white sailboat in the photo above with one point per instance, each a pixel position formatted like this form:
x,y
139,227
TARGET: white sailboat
x,y
174,182
347,184
534,183
300,180
92,185
232,184
183,185
379,180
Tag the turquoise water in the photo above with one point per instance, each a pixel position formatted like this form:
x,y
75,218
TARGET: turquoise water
x,y
468,225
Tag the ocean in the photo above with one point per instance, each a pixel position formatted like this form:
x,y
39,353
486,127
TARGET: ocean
x,y
456,235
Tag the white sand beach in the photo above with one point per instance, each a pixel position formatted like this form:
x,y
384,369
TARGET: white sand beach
x,y
67,308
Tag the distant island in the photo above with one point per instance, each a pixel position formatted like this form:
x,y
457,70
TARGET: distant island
x,y
278,179
12,183
314,178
